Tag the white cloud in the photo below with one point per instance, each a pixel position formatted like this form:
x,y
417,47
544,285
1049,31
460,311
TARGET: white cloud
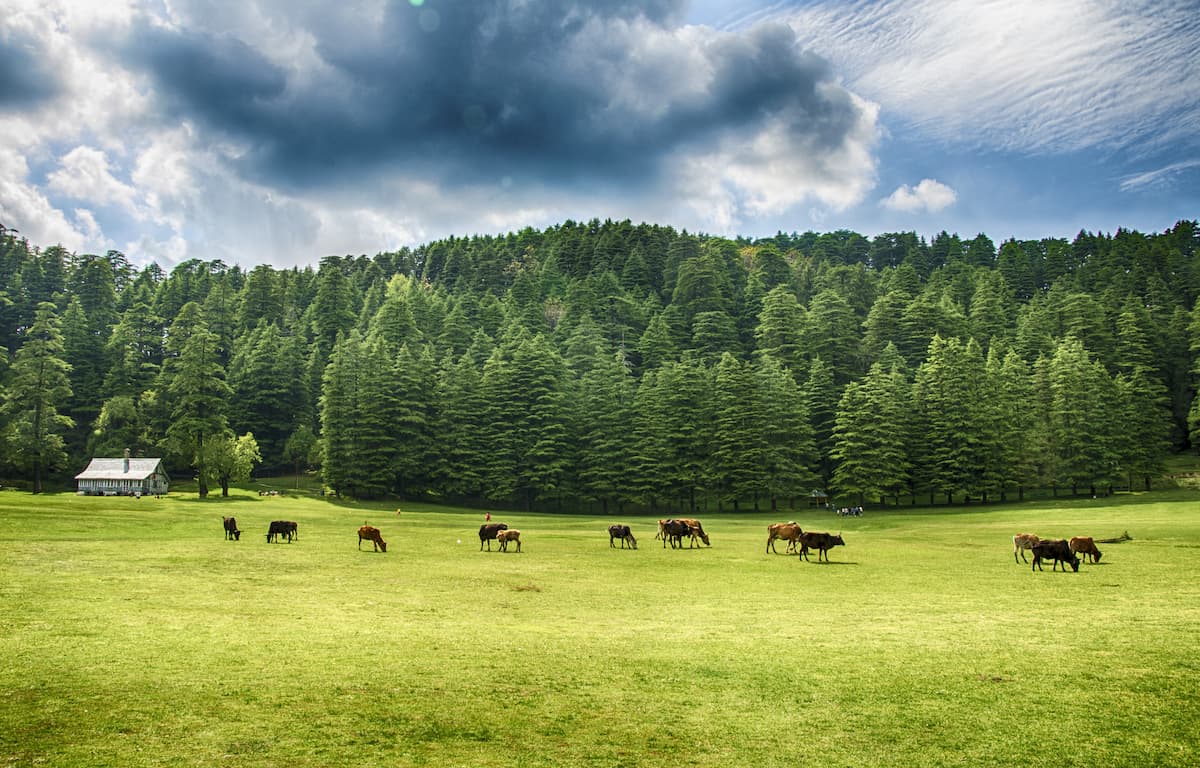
x,y
1158,176
928,196
1018,74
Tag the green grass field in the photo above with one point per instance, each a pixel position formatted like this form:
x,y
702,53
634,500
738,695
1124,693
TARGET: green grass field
x,y
132,633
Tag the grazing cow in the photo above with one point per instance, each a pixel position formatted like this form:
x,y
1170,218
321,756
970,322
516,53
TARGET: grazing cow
x,y
368,533
1057,550
822,542
789,532
507,535
1084,545
695,530
672,532
1022,542
282,529
623,533
231,529
489,531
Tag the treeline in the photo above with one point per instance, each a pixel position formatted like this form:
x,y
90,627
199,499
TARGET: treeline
x,y
613,364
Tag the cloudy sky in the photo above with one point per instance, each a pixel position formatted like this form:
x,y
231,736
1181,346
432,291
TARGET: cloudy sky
x,y
280,131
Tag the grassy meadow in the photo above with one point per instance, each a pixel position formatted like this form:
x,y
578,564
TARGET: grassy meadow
x,y
133,634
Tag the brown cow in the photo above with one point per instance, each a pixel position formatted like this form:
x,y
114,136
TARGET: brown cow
x,y
1022,542
371,534
1084,545
231,529
672,531
789,532
624,534
695,530
822,542
505,536
488,531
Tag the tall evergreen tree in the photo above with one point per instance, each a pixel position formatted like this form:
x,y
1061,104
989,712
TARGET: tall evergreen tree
x,y
39,385
196,398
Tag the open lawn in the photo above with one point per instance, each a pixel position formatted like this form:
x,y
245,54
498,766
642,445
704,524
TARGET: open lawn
x,y
132,633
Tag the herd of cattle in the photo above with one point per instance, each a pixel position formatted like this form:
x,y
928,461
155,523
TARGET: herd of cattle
x,y
673,531
1058,550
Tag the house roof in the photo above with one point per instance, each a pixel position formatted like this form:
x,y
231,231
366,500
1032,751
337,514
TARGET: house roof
x,y
114,469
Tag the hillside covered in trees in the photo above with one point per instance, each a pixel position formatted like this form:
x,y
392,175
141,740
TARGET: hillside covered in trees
x,y
611,365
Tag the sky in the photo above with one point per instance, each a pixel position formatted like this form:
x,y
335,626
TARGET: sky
x,y
282,131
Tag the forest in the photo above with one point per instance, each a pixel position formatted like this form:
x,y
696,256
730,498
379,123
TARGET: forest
x,y
613,366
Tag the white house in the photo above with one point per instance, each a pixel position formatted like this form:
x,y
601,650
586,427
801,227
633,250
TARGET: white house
x,y
123,477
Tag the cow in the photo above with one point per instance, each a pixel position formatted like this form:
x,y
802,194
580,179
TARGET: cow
x,y
1084,545
789,532
822,542
622,533
371,534
282,529
231,529
1022,542
695,530
672,532
507,535
1057,550
489,531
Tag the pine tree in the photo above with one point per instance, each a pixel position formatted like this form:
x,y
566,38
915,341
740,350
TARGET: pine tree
x,y
604,423
196,398
737,463
780,329
39,385
788,448
871,435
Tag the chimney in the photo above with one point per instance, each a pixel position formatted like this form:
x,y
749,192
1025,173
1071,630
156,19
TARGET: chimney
x,y
126,460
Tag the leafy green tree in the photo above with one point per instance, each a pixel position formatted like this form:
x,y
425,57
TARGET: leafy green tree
x,y
231,459
196,398
300,448
38,386
822,399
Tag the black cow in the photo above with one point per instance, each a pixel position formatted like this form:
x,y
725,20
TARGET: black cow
x,y
822,542
673,531
488,532
623,533
231,529
283,529
1057,550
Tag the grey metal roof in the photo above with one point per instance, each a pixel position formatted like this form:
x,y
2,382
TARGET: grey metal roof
x,y
114,469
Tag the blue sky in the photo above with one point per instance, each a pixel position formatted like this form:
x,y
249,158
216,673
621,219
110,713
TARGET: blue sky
x,y
273,131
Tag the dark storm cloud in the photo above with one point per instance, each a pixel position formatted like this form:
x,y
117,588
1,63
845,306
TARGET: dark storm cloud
x,y
25,80
454,92
218,78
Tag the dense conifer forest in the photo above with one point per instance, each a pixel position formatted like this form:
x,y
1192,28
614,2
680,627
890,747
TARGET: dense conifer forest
x,y
613,366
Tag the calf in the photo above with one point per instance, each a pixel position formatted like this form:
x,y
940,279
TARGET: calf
x,y
368,533
624,534
282,529
505,536
1022,542
1084,545
1057,550
789,532
489,531
231,529
822,542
